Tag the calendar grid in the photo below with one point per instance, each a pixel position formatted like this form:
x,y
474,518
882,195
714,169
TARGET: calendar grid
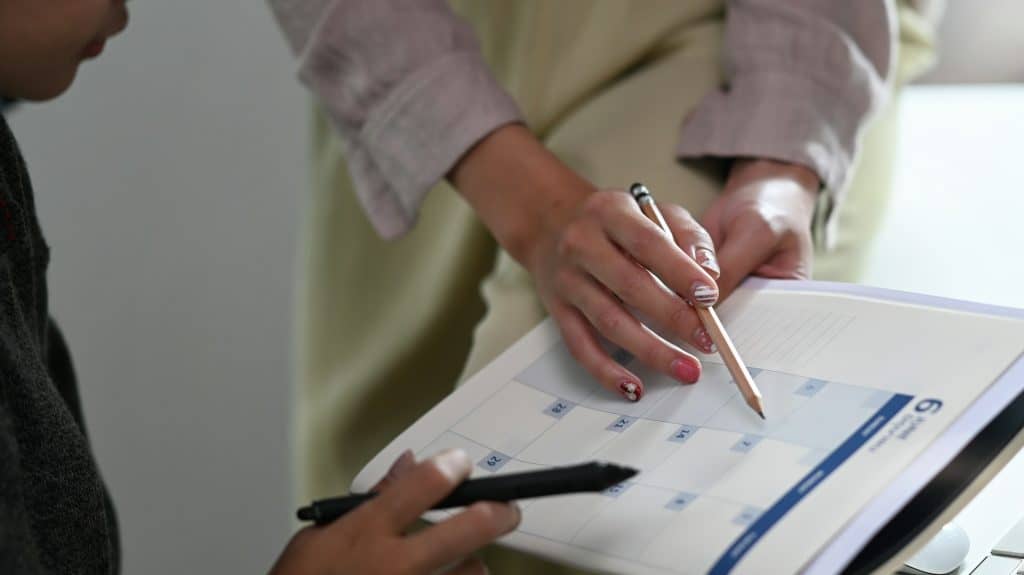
x,y
719,490
669,494
723,438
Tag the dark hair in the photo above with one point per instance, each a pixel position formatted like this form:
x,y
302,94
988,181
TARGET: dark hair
x,y
5,104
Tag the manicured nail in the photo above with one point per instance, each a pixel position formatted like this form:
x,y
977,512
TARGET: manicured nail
x,y
706,259
686,370
631,390
704,340
404,462
703,294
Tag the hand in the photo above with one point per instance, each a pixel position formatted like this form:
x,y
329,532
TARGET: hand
x,y
588,252
761,224
371,539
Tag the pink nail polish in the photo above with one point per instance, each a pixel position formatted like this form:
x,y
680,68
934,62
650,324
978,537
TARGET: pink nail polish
x,y
686,370
704,341
631,390
703,294
706,259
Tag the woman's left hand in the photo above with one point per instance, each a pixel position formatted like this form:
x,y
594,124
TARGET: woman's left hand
x,y
761,224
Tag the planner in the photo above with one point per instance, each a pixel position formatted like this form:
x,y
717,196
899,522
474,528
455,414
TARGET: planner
x,y
858,382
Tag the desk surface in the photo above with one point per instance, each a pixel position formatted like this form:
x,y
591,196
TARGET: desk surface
x,y
954,229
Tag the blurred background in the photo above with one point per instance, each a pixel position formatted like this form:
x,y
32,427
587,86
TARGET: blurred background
x,y
170,182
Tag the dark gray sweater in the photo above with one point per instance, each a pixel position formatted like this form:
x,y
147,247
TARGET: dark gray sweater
x,y
55,514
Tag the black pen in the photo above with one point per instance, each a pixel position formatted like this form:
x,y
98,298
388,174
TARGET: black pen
x,y
587,477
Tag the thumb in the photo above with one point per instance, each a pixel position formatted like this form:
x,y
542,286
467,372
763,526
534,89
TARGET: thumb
x,y
793,260
784,266
745,249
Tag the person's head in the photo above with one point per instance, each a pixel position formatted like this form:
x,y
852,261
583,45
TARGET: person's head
x,y
42,42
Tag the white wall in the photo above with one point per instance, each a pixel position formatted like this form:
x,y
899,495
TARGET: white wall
x,y
169,182
980,41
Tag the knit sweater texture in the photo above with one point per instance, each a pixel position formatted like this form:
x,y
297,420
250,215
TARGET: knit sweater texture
x,y
55,514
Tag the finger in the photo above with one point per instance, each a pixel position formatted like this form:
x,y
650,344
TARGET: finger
x,y
418,489
793,260
649,245
458,536
469,566
634,285
404,463
743,250
582,342
692,237
710,220
784,266
620,327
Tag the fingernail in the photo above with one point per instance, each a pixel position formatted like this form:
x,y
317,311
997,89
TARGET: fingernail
x,y
706,259
404,462
453,462
631,390
704,340
510,512
517,514
703,294
686,370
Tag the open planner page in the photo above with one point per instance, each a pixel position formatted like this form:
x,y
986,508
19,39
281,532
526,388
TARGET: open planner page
x,y
857,382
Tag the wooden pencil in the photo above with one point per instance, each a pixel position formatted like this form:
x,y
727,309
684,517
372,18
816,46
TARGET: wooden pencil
x,y
713,325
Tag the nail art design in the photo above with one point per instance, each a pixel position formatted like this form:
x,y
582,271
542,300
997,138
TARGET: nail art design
x,y
630,390
704,340
686,371
704,295
706,259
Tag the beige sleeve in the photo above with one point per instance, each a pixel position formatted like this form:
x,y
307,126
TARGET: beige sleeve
x,y
406,89
802,78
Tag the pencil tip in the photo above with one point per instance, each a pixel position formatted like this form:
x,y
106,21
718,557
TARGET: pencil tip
x,y
761,413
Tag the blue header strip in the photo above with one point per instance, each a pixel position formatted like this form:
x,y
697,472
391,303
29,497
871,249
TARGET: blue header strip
x,y
776,512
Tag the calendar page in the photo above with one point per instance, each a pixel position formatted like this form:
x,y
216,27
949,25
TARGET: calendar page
x,y
856,381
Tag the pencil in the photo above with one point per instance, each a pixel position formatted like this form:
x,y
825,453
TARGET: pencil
x,y
713,325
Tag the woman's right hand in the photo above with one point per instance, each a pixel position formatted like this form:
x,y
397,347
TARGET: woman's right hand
x,y
589,253
591,270
373,538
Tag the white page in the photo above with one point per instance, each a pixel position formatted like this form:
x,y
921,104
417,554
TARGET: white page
x,y
858,383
